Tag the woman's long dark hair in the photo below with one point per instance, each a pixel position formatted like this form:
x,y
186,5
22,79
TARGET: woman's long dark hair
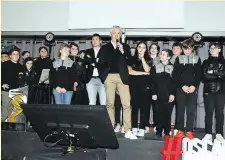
x,y
76,45
73,58
146,55
27,60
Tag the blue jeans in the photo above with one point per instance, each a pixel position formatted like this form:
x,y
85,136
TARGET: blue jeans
x,y
93,87
62,98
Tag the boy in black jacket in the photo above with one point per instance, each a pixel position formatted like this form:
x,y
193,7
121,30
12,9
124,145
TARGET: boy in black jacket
x,y
214,90
187,74
11,79
163,91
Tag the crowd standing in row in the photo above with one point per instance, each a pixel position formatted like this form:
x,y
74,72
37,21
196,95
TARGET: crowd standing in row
x,y
134,79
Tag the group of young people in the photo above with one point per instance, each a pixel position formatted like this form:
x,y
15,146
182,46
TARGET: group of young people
x,y
131,79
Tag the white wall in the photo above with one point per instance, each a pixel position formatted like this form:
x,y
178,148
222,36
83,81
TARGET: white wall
x,y
205,16
36,18
132,14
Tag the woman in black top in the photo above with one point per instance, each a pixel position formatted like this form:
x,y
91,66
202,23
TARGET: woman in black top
x,y
43,62
79,97
63,76
30,79
140,88
154,50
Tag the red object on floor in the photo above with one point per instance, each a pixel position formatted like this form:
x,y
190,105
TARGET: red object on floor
x,y
172,148
180,134
190,135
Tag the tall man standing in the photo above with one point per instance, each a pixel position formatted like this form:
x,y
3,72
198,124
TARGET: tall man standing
x,y
113,71
94,84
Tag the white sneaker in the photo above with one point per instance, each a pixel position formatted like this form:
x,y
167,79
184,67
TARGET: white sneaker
x,y
130,135
163,134
141,133
220,138
135,131
146,129
117,128
122,130
175,132
154,129
207,137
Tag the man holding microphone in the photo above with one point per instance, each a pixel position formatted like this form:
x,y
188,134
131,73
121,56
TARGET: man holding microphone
x,y
113,71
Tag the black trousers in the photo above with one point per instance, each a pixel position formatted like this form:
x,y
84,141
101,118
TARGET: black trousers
x,y
214,101
80,97
153,106
163,116
140,99
43,94
31,94
175,106
118,107
188,102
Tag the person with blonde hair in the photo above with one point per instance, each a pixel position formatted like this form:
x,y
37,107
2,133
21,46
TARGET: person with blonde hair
x,y
63,76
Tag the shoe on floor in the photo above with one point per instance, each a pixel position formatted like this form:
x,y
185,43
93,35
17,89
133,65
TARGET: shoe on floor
x,y
180,134
146,129
163,133
220,138
207,137
154,129
141,133
130,135
190,135
174,132
122,130
135,131
117,128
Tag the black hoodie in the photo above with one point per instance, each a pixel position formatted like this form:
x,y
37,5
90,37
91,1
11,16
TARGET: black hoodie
x,y
187,70
10,74
214,74
163,82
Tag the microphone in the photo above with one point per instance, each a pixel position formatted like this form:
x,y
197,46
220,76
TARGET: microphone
x,y
20,75
117,46
20,78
